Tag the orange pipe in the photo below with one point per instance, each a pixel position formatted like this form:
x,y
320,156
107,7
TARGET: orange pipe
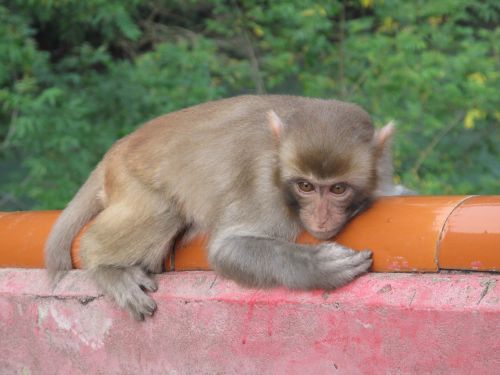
x,y
471,238
417,233
22,236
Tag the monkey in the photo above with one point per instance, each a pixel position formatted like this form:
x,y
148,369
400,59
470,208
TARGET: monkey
x,y
250,171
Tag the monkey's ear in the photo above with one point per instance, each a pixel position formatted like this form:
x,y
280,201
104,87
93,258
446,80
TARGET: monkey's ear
x,y
275,123
383,139
383,154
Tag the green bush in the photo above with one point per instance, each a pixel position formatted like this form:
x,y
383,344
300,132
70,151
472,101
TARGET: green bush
x,y
77,75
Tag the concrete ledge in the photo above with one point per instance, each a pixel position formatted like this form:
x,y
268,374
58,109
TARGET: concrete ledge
x,y
379,324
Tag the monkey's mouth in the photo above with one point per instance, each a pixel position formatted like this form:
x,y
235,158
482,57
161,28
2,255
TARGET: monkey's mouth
x,y
323,234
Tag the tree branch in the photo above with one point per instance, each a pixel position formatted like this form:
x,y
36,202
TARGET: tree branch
x,y
254,63
431,146
341,75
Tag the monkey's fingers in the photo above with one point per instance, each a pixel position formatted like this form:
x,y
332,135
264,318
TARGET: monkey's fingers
x,y
336,264
340,269
143,280
349,274
333,250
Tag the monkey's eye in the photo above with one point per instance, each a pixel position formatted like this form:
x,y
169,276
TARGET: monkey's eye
x,y
305,186
338,188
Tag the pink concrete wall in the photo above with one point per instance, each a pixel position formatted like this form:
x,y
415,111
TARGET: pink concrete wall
x,y
379,324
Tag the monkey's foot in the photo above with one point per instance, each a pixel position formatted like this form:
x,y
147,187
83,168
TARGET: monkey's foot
x,y
339,264
127,287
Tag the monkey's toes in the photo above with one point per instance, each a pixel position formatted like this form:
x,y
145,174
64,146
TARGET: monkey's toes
x,y
140,305
129,291
143,280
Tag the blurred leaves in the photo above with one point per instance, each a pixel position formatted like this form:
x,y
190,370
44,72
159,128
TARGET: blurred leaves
x,y
77,75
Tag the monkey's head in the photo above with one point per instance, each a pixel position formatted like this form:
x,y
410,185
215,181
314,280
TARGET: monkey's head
x,y
331,162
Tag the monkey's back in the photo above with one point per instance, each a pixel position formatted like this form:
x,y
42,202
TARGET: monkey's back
x,y
212,152
200,156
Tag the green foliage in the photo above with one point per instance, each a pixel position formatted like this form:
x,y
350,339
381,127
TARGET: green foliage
x,y
77,75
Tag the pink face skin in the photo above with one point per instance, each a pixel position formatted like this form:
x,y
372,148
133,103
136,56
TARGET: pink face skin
x,y
323,206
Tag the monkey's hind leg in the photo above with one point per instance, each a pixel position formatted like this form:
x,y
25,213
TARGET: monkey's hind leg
x,y
123,245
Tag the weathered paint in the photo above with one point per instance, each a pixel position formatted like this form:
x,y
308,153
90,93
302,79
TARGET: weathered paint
x,y
379,324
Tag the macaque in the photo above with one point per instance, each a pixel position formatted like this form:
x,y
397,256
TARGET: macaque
x,y
252,172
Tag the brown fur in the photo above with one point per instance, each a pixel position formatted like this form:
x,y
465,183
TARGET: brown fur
x,y
219,168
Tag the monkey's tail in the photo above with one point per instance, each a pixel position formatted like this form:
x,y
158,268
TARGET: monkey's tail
x,y
82,208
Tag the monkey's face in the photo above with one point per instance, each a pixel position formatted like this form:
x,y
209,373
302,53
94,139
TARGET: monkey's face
x,y
328,164
326,187
323,207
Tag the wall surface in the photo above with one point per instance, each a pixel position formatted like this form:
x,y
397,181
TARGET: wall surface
x,y
379,324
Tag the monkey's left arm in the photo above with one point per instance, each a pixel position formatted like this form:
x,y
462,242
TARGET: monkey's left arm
x,y
261,261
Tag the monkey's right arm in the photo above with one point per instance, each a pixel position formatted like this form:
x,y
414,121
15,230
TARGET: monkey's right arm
x,y
264,262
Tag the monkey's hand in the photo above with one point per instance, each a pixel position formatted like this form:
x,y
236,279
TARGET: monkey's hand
x,y
337,265
263,262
